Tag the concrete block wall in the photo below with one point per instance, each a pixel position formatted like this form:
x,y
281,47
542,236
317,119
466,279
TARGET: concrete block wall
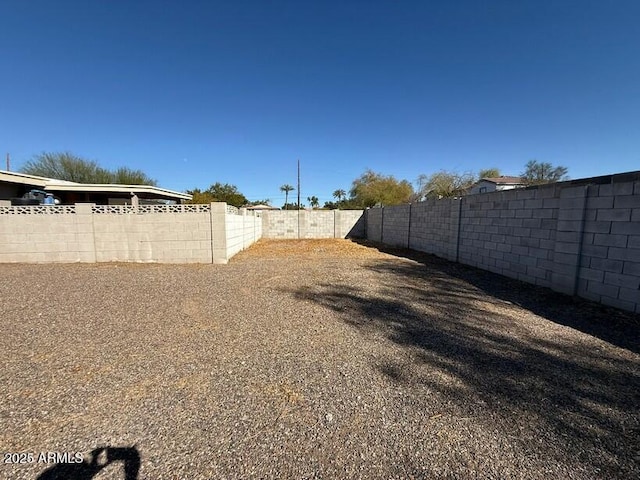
x,y
252,228
84,233
235,234
374,224
283,224
349,224
153,237
578,239
571,205
317,224
434,227
609,268
512,233
50,235
395,228
241,231
279,224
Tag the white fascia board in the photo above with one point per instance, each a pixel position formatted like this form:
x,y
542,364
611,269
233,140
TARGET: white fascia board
x,y
114,188
67,186
23,179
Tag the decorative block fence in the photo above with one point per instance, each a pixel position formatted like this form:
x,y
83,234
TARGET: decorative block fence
x,y
155,233
580,238
109,233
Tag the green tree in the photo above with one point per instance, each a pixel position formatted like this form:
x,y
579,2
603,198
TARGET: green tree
x,y
225,192
128,176
339,194
293,206
447,184
286,188
70,167
489,173
372,188
314,202
200,197
266,201
537,173
219,192
66,166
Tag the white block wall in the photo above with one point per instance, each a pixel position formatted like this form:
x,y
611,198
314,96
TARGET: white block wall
x,y
576,239
153,237
395,225
64,237
313,224
610,261
242,231
511,233
77,234
434,227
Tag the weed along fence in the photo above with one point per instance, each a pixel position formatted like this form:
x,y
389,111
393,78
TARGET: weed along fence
x,y
113,233
580,238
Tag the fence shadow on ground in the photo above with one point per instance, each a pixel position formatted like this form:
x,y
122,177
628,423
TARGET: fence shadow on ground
x,y
98,460
614,326
464,324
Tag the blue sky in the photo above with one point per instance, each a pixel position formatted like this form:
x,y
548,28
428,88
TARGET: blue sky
x,y
195,92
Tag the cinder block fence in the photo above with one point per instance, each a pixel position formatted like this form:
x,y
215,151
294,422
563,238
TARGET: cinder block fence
x,y
284,224
155,233
121,233
580,238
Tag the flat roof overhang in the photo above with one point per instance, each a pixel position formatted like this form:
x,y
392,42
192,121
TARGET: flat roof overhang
x,y
142,191
54,185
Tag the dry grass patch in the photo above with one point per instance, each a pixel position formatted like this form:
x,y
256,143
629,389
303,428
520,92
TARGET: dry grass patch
x,y
310,249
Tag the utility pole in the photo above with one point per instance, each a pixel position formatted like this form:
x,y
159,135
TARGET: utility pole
x,y
298,199
8,162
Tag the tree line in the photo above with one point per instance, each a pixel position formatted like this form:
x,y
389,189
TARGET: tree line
x,y
374,189
368,190
70,167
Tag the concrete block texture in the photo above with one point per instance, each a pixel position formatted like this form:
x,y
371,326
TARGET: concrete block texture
x,y
201,235
614,214
293,224
435,226
395,226
576,239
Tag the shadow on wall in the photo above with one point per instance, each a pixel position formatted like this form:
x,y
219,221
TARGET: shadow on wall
x,y
467,341
99,459
359,229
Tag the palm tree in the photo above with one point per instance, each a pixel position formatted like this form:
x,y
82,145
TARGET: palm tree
x,y
313,201
339,194
286,188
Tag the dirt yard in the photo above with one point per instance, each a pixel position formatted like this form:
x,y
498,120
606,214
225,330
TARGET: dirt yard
x,y
312,359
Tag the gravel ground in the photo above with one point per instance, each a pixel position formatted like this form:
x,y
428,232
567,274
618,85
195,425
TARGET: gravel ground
x,y
313,359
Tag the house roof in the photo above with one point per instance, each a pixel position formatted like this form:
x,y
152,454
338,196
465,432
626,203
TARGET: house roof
x,y
24,179
261,207
116,188
504,179
55,185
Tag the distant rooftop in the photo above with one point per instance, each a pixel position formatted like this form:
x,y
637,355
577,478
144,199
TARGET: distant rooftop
x,y
504,179
55,185
261,207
